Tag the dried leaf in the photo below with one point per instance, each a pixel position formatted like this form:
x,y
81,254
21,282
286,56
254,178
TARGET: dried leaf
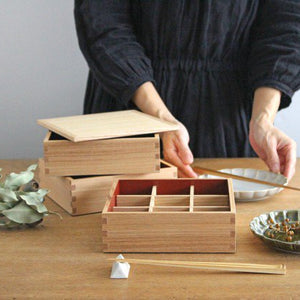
x,y
35,199
8,223
39,194
4,206
32,167
14,180
21,202
6,195
42,193
22,214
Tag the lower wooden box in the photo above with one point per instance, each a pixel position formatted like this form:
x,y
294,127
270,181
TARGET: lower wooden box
x,y
170,215
80,195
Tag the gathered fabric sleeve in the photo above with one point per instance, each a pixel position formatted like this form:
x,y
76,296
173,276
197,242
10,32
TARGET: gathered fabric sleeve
x,y
274,59
108,42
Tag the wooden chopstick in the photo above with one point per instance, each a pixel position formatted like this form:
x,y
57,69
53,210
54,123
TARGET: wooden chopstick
x,y
222,266
202,170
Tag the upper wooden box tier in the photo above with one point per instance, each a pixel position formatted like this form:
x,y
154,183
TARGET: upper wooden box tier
x,y
123,142
170,215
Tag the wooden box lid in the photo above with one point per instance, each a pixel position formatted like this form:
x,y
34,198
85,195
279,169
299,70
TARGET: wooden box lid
x,y
106,125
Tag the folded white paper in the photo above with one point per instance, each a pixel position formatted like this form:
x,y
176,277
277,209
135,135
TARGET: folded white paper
x,y
119,269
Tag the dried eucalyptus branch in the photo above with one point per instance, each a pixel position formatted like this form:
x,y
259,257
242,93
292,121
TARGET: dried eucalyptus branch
x,y
21,200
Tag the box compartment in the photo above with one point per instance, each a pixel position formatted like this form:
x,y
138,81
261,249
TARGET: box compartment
x,y
170,215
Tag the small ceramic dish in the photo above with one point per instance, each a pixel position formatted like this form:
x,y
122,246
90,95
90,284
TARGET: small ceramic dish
x,y
279,230
250,191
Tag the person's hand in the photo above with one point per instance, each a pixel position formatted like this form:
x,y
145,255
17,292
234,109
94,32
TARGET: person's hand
x,y
177,152
274,147
175,143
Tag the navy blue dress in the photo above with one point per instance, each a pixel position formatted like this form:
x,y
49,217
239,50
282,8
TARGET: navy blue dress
x,y
205,58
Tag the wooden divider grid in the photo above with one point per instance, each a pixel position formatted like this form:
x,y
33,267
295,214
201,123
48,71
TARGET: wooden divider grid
x,y
155,202
170,215
192,189
152,199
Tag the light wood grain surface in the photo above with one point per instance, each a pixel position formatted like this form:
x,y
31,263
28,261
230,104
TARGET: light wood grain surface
x,y
106,125
63,259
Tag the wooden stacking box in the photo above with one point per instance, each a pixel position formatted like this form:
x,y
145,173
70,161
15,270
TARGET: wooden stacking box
x,y
170,215
80,195
123,142
129,155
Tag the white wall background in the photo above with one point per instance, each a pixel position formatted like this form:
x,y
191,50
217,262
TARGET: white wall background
x,y
43,74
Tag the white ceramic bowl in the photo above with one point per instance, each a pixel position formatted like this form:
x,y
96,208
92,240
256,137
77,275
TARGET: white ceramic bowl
x,y
250,191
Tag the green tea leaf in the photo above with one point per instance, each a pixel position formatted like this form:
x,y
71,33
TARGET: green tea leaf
x,y
22,214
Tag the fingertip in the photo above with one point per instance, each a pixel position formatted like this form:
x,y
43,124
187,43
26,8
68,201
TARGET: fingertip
x,y
289,173
182,160
290,164
190,172
271,156
274,164
275,168
186,156
181,174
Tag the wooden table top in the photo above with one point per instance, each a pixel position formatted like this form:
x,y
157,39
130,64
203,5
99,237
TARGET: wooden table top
x,y
62,259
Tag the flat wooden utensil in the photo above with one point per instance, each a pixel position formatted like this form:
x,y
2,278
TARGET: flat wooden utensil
x,y
202,170
222,266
